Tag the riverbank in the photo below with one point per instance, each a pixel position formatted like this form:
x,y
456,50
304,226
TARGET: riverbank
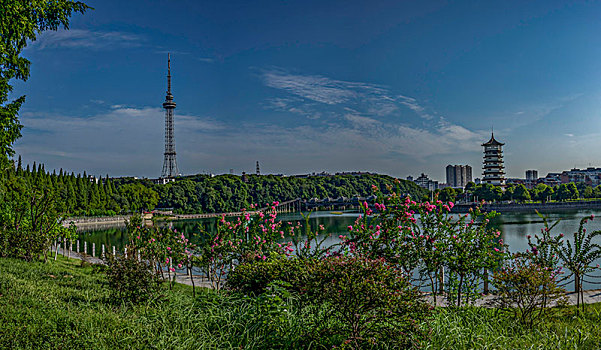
x,y
530,207
96,222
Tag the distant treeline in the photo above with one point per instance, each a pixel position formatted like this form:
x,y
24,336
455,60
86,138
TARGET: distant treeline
x,y
519,192
75,195
78,195
224,193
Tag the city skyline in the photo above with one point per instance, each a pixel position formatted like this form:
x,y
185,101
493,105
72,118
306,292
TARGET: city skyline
x,y
304,87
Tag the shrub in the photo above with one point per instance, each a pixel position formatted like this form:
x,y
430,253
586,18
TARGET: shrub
x,y
527,288
373,301
254,277
129,279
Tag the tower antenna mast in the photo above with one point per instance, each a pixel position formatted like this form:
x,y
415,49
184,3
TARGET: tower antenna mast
x,y
170,169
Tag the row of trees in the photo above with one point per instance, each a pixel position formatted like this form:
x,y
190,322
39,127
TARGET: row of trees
x,y
79,194
519,192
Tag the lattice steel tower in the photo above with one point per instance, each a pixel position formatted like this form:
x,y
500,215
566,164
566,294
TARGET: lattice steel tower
x,y
169,162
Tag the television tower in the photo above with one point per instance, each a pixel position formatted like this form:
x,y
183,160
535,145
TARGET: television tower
x,y
169,163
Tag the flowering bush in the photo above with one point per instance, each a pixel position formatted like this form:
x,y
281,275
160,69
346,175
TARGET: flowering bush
x,y
308,244
424,237
164,248
543,248
578,256
527,288
251,237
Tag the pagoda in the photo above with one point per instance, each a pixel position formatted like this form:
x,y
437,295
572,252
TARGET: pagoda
x,y
494,170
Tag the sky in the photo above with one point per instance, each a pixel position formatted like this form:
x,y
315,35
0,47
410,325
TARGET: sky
x,y
394,87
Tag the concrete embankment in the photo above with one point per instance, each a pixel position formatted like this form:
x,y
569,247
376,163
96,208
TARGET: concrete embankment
x,y
530,207
97,222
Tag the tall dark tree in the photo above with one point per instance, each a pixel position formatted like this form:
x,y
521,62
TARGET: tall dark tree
x,y
23,20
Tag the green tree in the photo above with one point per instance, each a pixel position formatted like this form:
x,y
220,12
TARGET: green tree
x,y
588,192
521,193
470,187
23,20
508,193
566,192
488,192
447,194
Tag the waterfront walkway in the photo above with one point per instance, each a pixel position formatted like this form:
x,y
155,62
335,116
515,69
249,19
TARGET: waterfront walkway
x,y
590,296
183,278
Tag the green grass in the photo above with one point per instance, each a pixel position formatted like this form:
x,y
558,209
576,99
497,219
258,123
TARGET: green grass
x,y
61,305
482,328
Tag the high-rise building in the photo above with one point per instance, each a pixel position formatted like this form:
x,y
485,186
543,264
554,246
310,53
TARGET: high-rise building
x,y
531,175
494,170
169,163
425,182
458,175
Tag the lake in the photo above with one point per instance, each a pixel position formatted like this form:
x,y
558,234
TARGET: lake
x,y
514,228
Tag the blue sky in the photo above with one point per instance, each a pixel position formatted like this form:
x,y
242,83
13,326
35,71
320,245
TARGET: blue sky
x,y
396,87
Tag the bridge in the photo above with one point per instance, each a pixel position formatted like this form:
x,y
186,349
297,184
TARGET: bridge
x,y
291,206
340,203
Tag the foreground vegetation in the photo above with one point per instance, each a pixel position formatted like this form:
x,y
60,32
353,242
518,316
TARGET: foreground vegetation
x,y
61,304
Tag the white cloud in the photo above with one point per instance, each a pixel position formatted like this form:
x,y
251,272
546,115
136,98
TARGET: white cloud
x,y
413,105
361,122
81,38
313,93
312,87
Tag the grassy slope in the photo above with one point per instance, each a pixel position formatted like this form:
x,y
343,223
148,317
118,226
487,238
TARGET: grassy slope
x,y
62,305
71,310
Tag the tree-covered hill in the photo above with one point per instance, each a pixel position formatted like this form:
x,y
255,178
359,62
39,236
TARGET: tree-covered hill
x,y
223,193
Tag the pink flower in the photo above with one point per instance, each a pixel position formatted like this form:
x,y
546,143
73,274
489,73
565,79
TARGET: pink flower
x,y
451,205
179,266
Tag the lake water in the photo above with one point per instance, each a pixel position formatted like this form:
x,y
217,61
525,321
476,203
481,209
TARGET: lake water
x,y
514,228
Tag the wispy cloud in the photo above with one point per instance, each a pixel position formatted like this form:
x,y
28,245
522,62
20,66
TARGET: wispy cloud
x,y
374,120
88,39
413,105
313,87
316,92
